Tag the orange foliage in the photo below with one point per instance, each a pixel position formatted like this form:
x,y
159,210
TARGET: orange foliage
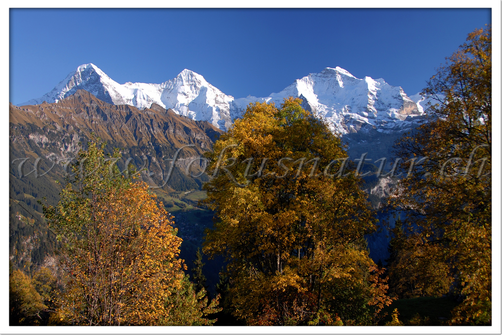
x,y
291,226
446,243
120,253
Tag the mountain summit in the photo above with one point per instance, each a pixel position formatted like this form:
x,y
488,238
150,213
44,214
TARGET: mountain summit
x,y
350,104
88,77
347,103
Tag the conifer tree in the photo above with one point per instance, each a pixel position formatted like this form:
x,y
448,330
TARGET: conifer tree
x,y
198,278
191,307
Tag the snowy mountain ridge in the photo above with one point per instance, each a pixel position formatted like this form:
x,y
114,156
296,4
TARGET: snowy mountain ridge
x,y
347,103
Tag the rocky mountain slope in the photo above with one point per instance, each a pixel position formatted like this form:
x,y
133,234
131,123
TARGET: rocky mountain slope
x,y
45,138
149,137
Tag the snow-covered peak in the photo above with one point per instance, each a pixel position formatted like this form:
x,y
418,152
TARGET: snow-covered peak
x,y
347,103
90,67
338,70
88,77
189,94
92,70
86,71
188,80
189,75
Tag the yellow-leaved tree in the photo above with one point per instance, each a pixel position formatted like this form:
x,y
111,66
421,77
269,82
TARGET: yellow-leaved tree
x,y
290,220
119,252
445,197
25,303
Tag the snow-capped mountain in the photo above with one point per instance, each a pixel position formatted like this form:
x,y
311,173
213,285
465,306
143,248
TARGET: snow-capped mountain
x,y
348,104
189,94
90,78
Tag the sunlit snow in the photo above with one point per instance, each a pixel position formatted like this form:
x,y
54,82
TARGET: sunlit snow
x,y
344,101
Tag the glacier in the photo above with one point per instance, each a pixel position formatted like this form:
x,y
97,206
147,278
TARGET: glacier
x,y
348,104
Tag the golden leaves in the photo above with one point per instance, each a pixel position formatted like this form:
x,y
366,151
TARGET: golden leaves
x,y
291,233
121,259
448,198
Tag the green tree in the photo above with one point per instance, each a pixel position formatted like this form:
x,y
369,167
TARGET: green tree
x,y
291,219
445,197
191,307
198,277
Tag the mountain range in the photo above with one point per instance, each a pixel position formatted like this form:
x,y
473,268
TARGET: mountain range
x,y
151,123
347,103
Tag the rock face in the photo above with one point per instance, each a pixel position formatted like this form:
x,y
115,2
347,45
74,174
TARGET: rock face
x,y
348,104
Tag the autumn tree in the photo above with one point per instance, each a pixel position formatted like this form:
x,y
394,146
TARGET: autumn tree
x,y
46,284
31,298
412,274
445,195
25,302
119,251
291,219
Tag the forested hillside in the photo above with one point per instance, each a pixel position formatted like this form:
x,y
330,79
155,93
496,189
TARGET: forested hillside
x,y
44,142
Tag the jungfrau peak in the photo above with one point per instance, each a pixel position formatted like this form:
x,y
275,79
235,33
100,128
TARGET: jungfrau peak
x,y
350,104
347,103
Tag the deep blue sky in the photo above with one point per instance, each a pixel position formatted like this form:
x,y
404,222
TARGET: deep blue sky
x,y
240,51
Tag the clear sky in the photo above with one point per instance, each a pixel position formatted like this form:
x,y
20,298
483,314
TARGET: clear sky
x,y
240,51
